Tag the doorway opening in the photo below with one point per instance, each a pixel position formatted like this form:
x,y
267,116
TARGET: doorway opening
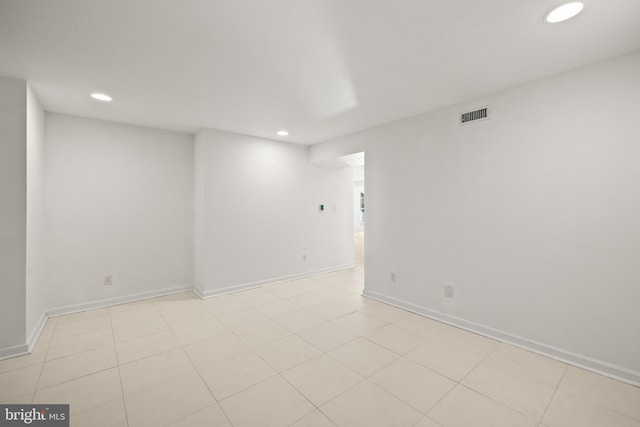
x,y
359,219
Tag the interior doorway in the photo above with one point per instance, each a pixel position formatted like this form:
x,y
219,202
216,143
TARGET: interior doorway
x,y
359,208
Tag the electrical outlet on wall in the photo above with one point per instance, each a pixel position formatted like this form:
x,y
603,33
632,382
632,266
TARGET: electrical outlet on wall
x,y
448,290
108,280
304,257
393,277
450,294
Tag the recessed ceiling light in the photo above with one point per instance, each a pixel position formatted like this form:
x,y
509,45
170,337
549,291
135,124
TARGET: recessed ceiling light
x,y
564,12
283,133
101,97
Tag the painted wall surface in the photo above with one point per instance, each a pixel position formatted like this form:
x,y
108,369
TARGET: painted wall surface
x,y
35,290
328,151
358,187
257,212
118,200
13,214
532,215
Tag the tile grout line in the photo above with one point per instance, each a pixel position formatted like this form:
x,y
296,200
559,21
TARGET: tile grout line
x,y
555,391
44,360
597,404
182,348
115,349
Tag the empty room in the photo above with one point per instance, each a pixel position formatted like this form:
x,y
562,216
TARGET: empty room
x,y
320,213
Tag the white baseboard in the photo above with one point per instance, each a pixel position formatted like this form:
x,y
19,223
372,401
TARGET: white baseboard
x,y
585,362
27,347
244,286
37,330
107,302
13,351
198,291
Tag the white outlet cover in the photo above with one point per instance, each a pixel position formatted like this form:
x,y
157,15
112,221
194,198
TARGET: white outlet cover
x,y
448,291
449,297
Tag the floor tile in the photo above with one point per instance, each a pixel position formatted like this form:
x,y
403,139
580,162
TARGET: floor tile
x,y
36,357
427,422
184,302
448,361
321,379
364,356
360,322
418,386
466,408
273,403
198,331
133,313
421,325
138,348
19,381
287,290
156,369
300,320
257,296
47,331
327,336
81,315
385,312
537,367
143,327
85,326
287,352
20,399
211,416
355,287
612,394
111,414
368,405
309,299
167,402
224,304
314,419
231,375
566,410
243,320
84,393
333,309
278,308
78,365
395,339
263,333
204,353
324,339
512,389
79,343
466,341
180,320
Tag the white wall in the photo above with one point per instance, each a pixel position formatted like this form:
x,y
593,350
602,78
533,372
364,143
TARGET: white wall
x,y
329,151
13,208
35,290
118,200
358,187
256,207
532,215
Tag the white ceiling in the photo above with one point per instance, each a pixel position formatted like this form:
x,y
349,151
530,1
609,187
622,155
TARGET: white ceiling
x,y
319,68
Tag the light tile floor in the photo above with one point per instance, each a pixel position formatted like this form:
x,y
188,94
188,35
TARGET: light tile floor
x,y
310,352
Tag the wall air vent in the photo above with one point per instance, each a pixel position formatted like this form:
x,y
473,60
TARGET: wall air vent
x,y
467,117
